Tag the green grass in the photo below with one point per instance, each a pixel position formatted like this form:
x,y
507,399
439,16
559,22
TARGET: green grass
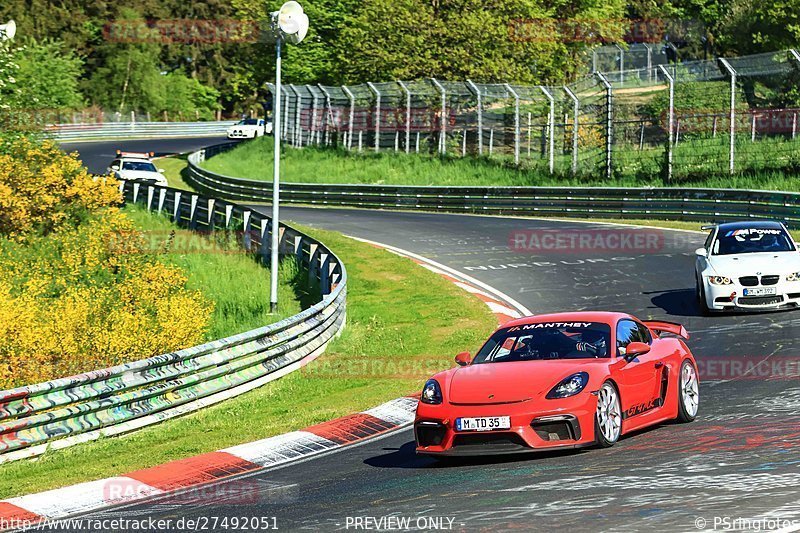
x,y
175,170
236,283
699,163
403,323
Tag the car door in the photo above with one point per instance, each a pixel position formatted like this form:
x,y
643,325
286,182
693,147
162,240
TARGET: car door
x,y
639,378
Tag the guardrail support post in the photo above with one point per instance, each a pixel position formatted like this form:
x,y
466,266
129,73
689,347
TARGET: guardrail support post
x,y
670,118
377,115
609,123
407,92
551,126
352,116
732,74
443,132
576,104
479,98
516,122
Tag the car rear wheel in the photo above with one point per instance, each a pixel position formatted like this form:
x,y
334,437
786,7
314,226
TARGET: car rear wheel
x,y
608,417
688,393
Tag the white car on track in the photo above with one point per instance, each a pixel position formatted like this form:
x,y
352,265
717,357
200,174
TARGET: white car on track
x,y
137,166
249,128
748,266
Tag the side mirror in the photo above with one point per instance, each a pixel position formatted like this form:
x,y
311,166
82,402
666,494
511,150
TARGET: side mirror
x,y
463,359
161,170
700,252
115,167
635,349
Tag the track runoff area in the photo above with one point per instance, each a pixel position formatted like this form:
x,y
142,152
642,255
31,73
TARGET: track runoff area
x,y
734,468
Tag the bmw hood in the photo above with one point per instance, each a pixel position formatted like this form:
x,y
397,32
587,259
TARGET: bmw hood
x,y
750,264
517,381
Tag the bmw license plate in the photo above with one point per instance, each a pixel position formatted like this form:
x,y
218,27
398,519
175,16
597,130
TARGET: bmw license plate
x,y
484,423
761,291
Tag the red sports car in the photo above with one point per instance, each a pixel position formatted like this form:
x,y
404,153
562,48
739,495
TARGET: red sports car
x,y
563,380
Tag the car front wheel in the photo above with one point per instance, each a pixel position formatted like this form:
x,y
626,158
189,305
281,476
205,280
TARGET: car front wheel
x,y
608,416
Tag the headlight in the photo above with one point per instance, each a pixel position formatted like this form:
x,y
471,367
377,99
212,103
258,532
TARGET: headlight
x,y
569,386
794,276
719,280
431,392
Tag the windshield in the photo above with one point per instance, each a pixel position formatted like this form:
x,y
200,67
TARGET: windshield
x,y
248,122
139,165
751,240
547,340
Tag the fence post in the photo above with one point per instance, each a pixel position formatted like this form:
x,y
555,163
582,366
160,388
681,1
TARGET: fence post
x,y
576,104
621,63
352,116
551,125
796,56
609,123
443,128
478,95
296,133
516,121
670,118
285,116
408,114
732,74
314,132
327,114
377,115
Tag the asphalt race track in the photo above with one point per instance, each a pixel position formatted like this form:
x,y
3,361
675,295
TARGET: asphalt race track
x,y
97,155
738,459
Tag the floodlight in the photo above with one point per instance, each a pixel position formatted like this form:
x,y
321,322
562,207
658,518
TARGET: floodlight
x,y
290,23
9,29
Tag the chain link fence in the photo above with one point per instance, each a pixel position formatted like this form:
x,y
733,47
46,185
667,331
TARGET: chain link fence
x,y
677,120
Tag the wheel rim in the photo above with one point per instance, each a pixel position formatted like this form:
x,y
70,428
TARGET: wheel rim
x,y
690,393
609,418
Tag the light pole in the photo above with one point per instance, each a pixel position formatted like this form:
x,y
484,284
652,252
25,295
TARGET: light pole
x,y
288,24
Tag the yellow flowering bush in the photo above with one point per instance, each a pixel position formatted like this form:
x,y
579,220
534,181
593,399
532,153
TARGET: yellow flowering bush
x,y
42,188
78,288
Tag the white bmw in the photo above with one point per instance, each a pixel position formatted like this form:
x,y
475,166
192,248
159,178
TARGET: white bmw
x,y
748,266
249,128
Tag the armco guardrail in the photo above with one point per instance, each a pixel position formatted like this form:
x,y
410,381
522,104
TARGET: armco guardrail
x,y
111,401
702,205
118,130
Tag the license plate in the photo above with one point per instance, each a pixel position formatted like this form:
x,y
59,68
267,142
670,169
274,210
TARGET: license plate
x,y
483,423
765,291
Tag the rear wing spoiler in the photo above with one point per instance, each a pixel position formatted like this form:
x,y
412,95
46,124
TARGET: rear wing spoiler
x,y
667,327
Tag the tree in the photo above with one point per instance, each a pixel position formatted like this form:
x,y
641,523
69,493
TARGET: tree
x,y
48,76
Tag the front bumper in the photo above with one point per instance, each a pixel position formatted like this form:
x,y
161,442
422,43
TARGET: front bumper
x,y
241,134
731,297
562,424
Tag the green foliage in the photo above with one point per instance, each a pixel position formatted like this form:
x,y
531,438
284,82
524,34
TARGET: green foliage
x,y
48,76
703,97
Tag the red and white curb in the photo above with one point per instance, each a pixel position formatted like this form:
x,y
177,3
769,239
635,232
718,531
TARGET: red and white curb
x,y
503,306
208,467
